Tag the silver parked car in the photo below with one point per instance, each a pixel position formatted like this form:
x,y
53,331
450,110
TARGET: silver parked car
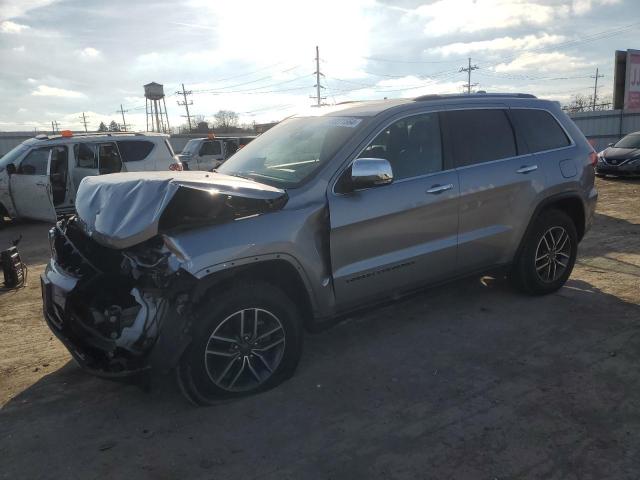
x,y
216,275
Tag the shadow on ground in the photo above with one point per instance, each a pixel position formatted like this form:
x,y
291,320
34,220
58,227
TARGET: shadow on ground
x,y
470,380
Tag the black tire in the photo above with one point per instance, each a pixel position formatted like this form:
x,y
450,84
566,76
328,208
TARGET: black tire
x,y
197,370
529,273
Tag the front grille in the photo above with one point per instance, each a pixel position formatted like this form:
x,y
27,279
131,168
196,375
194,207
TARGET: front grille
x,y
78,254
615,161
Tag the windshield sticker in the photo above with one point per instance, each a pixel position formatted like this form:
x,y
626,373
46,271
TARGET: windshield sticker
x,y
347,122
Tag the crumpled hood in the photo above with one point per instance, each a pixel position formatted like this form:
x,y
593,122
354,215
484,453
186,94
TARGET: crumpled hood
x,y
123,209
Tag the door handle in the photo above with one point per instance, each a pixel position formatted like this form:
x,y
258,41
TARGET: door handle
x,y
435,189
527,168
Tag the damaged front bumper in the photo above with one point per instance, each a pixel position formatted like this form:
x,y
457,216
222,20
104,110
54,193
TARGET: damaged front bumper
x,y
114,325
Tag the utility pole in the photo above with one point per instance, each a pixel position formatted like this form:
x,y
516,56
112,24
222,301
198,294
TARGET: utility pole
x,y
595,89
318,86
469,69
124,124
186,103
84,120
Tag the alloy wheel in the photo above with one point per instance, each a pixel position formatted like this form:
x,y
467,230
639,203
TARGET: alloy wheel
x,y
553,254
245,349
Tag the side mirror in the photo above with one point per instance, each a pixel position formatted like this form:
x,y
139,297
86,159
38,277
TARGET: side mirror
x,y
370,172
11,169
610,144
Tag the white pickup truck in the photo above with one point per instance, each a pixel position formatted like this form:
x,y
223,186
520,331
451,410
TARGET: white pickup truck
x,y
209,153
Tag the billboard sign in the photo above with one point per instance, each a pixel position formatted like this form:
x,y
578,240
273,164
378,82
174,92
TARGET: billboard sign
x,y
632,81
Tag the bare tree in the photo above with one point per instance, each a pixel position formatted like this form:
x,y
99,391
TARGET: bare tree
x,y
226,120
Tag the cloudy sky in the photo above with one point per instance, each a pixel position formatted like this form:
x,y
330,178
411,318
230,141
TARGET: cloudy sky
x,y
61,58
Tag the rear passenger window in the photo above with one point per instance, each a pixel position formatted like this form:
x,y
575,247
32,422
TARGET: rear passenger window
x,y
481,136
210,148
412,146
539,129
85,154
134,150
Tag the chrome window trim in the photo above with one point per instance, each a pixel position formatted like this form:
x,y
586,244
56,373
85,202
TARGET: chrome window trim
x,y
452,109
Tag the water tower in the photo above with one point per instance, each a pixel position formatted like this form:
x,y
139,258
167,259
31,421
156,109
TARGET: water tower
x,y
157,116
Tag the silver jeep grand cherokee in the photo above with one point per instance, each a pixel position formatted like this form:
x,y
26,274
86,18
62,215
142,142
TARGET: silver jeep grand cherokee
x,y
216,275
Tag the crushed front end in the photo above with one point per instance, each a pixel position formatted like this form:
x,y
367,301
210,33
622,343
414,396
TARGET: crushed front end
x,y
118,312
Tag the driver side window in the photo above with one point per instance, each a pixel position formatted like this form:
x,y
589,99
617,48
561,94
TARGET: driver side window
x,y
210,148
35,163
412,146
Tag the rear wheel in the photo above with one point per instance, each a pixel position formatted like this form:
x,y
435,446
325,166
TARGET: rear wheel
x,y
247,340
548,255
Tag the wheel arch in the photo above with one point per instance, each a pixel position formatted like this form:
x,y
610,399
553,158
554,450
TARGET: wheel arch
x,y
280,270
568,202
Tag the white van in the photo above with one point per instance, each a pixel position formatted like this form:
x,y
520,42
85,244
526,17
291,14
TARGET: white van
x,y
39,178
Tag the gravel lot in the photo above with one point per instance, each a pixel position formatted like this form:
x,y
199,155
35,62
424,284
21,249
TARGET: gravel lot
x,y
470,380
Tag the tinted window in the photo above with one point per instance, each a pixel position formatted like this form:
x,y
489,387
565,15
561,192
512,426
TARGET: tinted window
x,y
539,129
412,146
85,154
210,148
134,150
480,136
35,163
109,158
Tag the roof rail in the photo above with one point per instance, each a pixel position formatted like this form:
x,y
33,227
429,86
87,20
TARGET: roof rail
x,y
481,93
91,134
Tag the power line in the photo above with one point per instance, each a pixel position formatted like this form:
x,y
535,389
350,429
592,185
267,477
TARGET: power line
x,y
469,69
186,104
319,98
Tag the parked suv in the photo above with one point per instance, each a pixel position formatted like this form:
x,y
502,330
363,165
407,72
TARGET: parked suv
x,y
317,217
39,178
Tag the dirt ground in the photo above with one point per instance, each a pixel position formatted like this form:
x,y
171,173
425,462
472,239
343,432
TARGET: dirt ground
x,y
469,380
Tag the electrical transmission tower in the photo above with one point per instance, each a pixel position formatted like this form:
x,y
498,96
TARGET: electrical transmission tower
x,y
185,103
469,69
84,120
595,89
319,98
124,123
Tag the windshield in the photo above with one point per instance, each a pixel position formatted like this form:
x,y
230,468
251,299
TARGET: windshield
x,y
630,141
291,151
12,155
191,146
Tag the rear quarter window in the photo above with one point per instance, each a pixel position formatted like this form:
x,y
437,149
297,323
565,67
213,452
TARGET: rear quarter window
x,y
134,150
539,129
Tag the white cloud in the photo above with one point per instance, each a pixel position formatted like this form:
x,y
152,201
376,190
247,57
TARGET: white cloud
x,y
32,80
46,91
545,62
580,7
12,27
19,49
18,8
89,53
468,16
498,44
449,16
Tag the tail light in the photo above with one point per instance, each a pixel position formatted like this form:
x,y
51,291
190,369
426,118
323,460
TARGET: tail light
x,y
593,158
176,167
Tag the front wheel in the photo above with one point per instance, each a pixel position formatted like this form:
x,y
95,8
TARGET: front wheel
x,y
548,254
246,341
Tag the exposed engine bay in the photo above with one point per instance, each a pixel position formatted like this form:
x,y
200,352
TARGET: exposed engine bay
x,y
119,301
